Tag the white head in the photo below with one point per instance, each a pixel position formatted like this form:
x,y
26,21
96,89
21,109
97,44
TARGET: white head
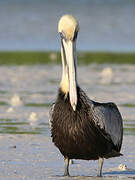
x,y
68,28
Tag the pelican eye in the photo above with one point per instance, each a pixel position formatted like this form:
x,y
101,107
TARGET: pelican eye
x,y
62,35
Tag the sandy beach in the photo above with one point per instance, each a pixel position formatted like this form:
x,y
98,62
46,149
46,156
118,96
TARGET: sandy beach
x,y
34,157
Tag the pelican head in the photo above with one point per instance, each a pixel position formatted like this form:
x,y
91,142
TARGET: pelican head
x,y
68,28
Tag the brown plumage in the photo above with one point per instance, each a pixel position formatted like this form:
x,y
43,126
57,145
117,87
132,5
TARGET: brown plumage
x,y
80,127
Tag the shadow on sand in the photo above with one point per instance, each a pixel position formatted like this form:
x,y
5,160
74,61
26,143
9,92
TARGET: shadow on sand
x,y
113,175
126,173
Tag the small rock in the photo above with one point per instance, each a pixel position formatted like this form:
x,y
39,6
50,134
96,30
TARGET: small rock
x,y
122,167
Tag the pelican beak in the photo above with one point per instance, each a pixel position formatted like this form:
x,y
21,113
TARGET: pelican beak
x,y
70,56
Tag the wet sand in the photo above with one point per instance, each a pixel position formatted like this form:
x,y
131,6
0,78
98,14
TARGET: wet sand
x,y
34,157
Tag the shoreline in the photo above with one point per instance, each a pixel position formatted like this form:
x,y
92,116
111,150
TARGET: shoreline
x,y
53,57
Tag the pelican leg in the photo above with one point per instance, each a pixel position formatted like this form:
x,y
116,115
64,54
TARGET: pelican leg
x,y
66,161
100,165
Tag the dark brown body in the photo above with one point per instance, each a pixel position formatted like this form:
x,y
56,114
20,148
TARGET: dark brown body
x,y
83,134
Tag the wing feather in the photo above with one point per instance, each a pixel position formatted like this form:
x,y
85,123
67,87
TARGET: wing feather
x,y
108,118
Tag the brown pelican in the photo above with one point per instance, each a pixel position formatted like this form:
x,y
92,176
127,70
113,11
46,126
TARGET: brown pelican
x,y
80,127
